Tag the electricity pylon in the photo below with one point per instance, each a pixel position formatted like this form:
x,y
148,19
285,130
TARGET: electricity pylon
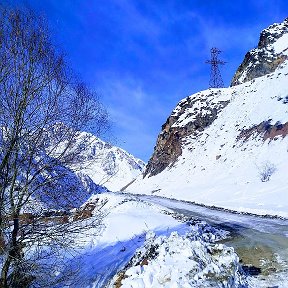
x,y
216,80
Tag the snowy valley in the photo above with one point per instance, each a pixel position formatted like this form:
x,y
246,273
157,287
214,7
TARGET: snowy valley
x,y
210,208
222,151
142,242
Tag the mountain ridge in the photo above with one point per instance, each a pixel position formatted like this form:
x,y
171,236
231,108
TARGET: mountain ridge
x,y
265,58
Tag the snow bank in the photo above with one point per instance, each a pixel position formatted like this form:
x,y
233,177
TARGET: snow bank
x,y
184,261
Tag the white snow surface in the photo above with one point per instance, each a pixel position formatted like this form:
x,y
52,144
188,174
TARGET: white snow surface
x,y
216,168
127,217
189,254
186,261
125,224
281,45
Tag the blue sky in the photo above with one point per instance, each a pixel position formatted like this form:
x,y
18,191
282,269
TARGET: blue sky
x,y
142,57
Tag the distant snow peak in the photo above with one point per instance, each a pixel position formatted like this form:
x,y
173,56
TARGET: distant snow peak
x,y
107,165
96,167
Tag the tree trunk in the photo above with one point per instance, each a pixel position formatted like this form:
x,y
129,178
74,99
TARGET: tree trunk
x,y
4,273
2,241
14,255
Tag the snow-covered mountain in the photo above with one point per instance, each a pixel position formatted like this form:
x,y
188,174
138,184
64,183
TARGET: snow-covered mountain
x,y
96,167
94,161
228,147
107,165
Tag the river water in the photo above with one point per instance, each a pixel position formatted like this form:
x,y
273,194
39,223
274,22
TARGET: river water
x,y
261,243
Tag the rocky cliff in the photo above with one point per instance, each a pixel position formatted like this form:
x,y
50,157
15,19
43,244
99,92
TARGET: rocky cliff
x,y
266,57
195,113
190,117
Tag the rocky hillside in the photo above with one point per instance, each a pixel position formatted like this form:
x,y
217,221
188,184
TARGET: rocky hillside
x,y
191,116
228,147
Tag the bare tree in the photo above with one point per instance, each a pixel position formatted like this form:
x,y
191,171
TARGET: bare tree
x,y
43,108
266,171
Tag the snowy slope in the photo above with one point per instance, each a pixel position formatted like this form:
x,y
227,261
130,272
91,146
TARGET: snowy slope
x,y
106,248
106,165
90,157
240,161
96,167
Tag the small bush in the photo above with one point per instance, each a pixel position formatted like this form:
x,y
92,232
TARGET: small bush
x,y
266,171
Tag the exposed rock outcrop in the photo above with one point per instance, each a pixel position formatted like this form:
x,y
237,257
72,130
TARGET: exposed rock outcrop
x,y
266,130
190,117
264,59
167,149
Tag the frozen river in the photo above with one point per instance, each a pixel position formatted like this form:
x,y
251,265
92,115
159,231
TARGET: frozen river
x,y
261,243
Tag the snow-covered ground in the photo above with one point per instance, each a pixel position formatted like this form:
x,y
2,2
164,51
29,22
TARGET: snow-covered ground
x,y
125,224
128,224
259,242
185,261
185,254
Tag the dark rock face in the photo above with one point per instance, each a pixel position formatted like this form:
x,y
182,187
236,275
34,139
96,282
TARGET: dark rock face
x,y
167,149
190,117
263,59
